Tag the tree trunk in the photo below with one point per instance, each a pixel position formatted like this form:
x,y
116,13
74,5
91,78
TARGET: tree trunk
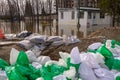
x,y
113,20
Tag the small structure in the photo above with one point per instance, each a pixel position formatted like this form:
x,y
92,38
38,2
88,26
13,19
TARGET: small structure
x,y
90,19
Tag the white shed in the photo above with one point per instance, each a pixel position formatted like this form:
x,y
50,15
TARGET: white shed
x,y
90,19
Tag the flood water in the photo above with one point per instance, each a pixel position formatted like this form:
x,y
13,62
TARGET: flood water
x,y
45,28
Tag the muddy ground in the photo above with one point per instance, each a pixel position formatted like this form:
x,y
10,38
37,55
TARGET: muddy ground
x,y
97,36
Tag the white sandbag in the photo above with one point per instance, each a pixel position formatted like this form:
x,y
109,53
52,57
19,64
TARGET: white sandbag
x,y
49,63
100,58
31,56
34,34
75,56
90,60
41,47
72,40
10,36
103,74
94,46
26,44
54,38
43,59
36,50
13,56
86,73
3,75
70,74
64,55
38,39
61,62
36,65
60,77
39,79
24,34
57,43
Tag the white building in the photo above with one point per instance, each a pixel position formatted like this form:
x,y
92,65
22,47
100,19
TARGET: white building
x,y
90,19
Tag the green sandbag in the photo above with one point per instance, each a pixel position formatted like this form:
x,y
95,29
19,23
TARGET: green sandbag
x,y
56,69
22,59
35,73
23,70
50,71
105,52
109,63
118,43
3,64
93,51
74,65
117,78
13,74
46,73
113,42
116,65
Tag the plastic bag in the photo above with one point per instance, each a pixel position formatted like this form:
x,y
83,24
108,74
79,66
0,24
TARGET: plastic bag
x,y
86,73
22,59
90,60
61,62
49,63
104,73
26,44
60,77
36,65
57,43
117,76
13,74
24,34
31,56
3,64
75,56
109,63
99,58
36,50
51,70
3,75
38,39
43,59
94,46
64,56
105,52
116,65
72,65
70,74
39,79
13,56
54,38
34,74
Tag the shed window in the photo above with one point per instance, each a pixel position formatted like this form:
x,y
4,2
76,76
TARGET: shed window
x,y
102,15
62,15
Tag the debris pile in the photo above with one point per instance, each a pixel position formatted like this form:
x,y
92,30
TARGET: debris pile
x,y
107,32
100,62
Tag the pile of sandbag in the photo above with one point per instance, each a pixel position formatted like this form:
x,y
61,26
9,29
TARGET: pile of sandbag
x,y
37,43
100,62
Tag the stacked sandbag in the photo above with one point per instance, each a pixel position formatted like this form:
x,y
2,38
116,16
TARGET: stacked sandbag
x,y
99,63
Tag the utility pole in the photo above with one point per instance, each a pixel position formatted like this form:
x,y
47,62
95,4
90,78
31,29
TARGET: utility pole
x,y
78,8
57,31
